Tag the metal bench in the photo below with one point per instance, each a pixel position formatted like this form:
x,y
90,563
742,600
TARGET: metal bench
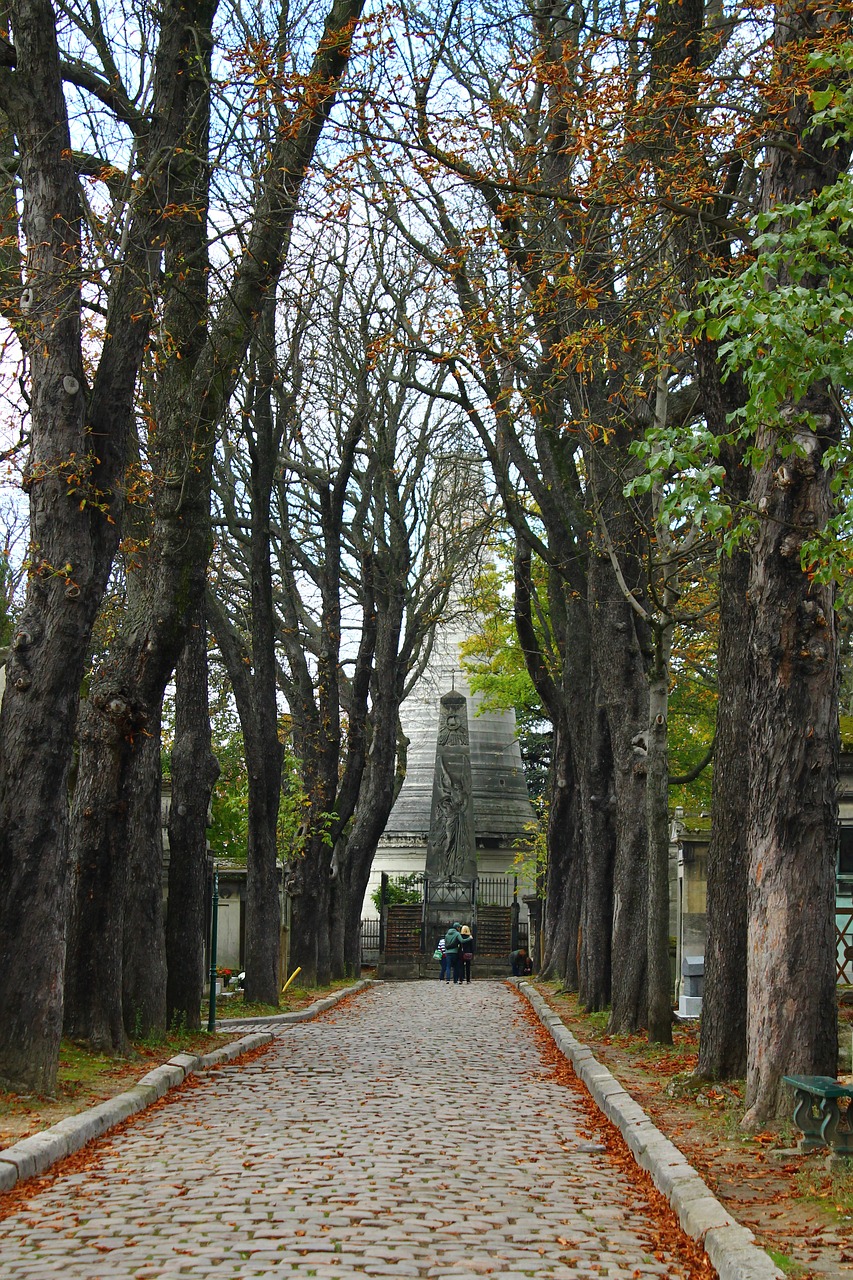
x,y
818,1115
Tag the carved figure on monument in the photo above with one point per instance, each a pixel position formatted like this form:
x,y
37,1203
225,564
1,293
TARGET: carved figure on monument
x,y
451,863
453,731
452,808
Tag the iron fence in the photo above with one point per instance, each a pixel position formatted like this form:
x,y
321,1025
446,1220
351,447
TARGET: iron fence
x,y
497,891
369,940
490,891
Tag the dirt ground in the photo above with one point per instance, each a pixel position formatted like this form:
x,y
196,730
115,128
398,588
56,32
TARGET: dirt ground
x,y
799,1210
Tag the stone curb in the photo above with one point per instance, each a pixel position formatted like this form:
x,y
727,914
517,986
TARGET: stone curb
x,y
730,1247
304,1015
32,1156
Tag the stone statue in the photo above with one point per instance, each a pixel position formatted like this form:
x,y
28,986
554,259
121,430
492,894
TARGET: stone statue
x,y
452,835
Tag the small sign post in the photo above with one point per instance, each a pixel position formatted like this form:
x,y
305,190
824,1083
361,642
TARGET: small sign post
x,y
214,920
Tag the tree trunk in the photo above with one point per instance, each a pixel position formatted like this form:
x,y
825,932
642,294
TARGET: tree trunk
x,y
143,930
722,1041
377,789
190,393
793,750
264,754
625,698
257,709
194,773
71,550
264,750
559,920
126,692
657,815
310,888
598,799
792,830
564,884
93,985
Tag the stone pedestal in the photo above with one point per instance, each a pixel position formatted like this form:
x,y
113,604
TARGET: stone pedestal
x,y
692,986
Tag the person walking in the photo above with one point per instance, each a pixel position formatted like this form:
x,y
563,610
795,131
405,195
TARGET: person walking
x,y
466,954
453,943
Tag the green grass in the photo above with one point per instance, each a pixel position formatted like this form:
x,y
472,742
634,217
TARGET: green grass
x,y
786,1264
831,1189
293,999
84,1077
237,1007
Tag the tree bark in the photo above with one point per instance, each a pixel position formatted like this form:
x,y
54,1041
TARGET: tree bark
x,y
309,883
619,668
793,751
375,801
386,581
564,882
264,750
598,799
194,773
561,913
93,992
657,811
722,1044
143,965
625,697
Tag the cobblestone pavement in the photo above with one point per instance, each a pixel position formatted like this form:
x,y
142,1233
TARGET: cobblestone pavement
x,y
413,1132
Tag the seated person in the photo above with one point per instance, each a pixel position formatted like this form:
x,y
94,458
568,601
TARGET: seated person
x,y
521,962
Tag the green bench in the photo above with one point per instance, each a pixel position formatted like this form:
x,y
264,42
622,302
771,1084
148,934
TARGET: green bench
x,y
818,1115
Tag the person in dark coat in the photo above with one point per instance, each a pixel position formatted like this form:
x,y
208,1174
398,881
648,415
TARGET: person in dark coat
x,y
521,963
453,943
466,954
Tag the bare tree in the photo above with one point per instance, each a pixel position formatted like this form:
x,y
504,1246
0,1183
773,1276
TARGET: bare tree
x,y
199,365
79,430
362,564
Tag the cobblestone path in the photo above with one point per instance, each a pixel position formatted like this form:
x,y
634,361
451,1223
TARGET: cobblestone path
x,y
413,1132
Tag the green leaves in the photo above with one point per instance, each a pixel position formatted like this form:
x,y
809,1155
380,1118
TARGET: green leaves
x,y
784,324
682,465
788,316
